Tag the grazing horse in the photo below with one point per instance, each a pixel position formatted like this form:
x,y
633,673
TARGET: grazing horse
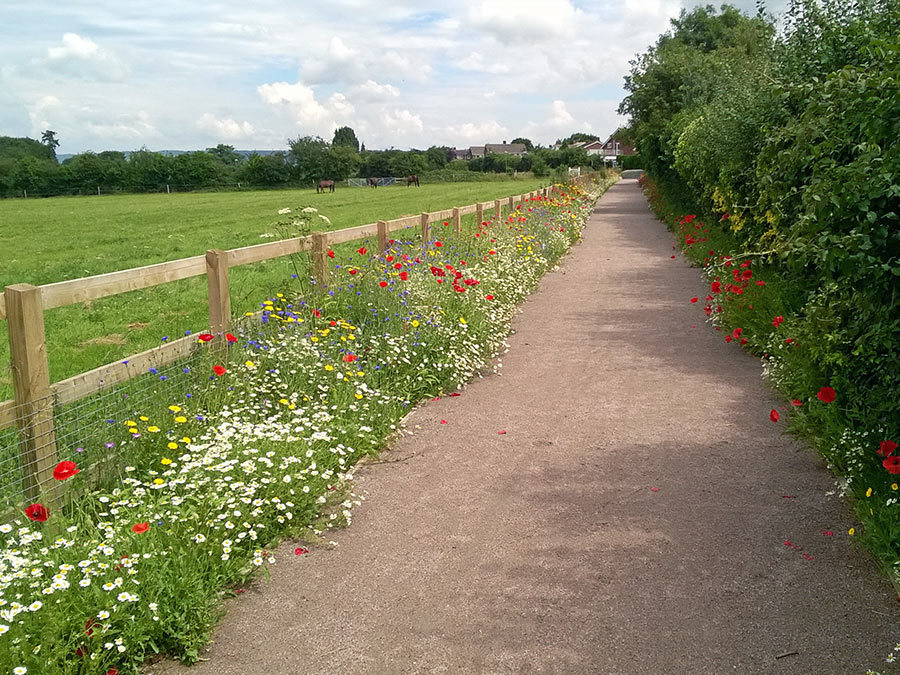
x,y
325,185
412,180
372,181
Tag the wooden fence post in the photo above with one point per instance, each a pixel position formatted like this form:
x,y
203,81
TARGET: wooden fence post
x,y
496,209
320,259
426,230
457,220
511,205
31,381
382,236
219,295
479,214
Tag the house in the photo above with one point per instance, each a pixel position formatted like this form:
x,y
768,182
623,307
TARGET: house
x,y
476,151
504,148
614,148
465,153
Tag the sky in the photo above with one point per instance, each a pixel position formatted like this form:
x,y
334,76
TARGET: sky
x,y
173,74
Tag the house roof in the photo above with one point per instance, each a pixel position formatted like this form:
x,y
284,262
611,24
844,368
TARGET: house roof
x,y
507,148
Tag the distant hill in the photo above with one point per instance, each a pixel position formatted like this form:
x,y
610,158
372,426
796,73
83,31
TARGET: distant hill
x,y
61,157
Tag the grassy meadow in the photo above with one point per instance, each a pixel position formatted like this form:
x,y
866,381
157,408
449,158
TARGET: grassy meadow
x,y
49,240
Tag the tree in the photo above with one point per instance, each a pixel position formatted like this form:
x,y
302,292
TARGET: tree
x,y
578,137
225,154
529,146
265,170
308,156
48,138
346,137
436,156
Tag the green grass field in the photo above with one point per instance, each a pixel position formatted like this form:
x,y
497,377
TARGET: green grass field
x,y
48,240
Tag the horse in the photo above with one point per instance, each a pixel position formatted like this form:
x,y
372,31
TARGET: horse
x,y
412,180
372,181
325,185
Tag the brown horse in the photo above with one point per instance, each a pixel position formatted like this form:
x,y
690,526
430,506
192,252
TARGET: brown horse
x,y
372,181
325,185
412,180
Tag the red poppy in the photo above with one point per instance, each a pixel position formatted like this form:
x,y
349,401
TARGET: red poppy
x,y
37,512
673,257
361,250
230,337
219,370
330,253
397,266
826,395
715,287
796,402
140,528
886,448
349,358
383,284
728,338
300,550
455,394
404,276
489,297
89,626
760,283
205,337
112,671
438,244
693,300
501,433
736,333
442,421
892,464
774,416
725,216
65,470
352,271
777,321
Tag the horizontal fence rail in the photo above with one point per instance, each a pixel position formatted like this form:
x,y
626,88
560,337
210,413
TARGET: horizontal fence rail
x,y
23,306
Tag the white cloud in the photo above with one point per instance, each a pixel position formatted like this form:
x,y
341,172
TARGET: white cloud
x,y
225,129
401,122
81,56
370,91
306,111
126,128
475,61
518,21
489,131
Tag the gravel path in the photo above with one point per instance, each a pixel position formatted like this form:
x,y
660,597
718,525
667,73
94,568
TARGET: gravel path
x,y
632,519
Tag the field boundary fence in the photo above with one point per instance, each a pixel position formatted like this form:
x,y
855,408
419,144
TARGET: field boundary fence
x,y
34,413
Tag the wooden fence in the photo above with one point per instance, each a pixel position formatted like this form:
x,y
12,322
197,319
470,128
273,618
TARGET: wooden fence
x,y
23,305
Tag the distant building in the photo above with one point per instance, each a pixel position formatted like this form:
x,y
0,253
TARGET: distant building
x,y
614,148
476,151
517,149
465,153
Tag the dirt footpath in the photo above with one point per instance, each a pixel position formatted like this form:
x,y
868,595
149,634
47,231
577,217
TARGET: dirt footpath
x,y
632,519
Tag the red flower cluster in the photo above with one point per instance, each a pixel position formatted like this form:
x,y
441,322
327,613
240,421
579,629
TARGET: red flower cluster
x,y
219,370
826,395
65,470
205,337
140,528
37,512
777,321
349,358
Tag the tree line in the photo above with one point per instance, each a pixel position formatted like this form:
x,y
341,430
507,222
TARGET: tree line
x,y
28,166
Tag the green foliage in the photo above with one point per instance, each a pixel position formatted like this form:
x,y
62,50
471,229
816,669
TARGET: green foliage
x,y
577,137
626,162
529,146
345,137
793,134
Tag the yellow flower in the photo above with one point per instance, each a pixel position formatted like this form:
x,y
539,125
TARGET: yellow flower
x,y
462,321
267,302
181,419
851,531
291,406
185,439
249,314
283,401
415,324
153,429
166,460
306,398
313,339
893,486
130,423
175,408
351,337
172,445
158,481
249,364
279,295
360,373
143,418
329,367
358,396
869,492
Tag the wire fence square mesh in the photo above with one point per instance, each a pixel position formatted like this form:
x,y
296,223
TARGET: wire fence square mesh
x,y
89,432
